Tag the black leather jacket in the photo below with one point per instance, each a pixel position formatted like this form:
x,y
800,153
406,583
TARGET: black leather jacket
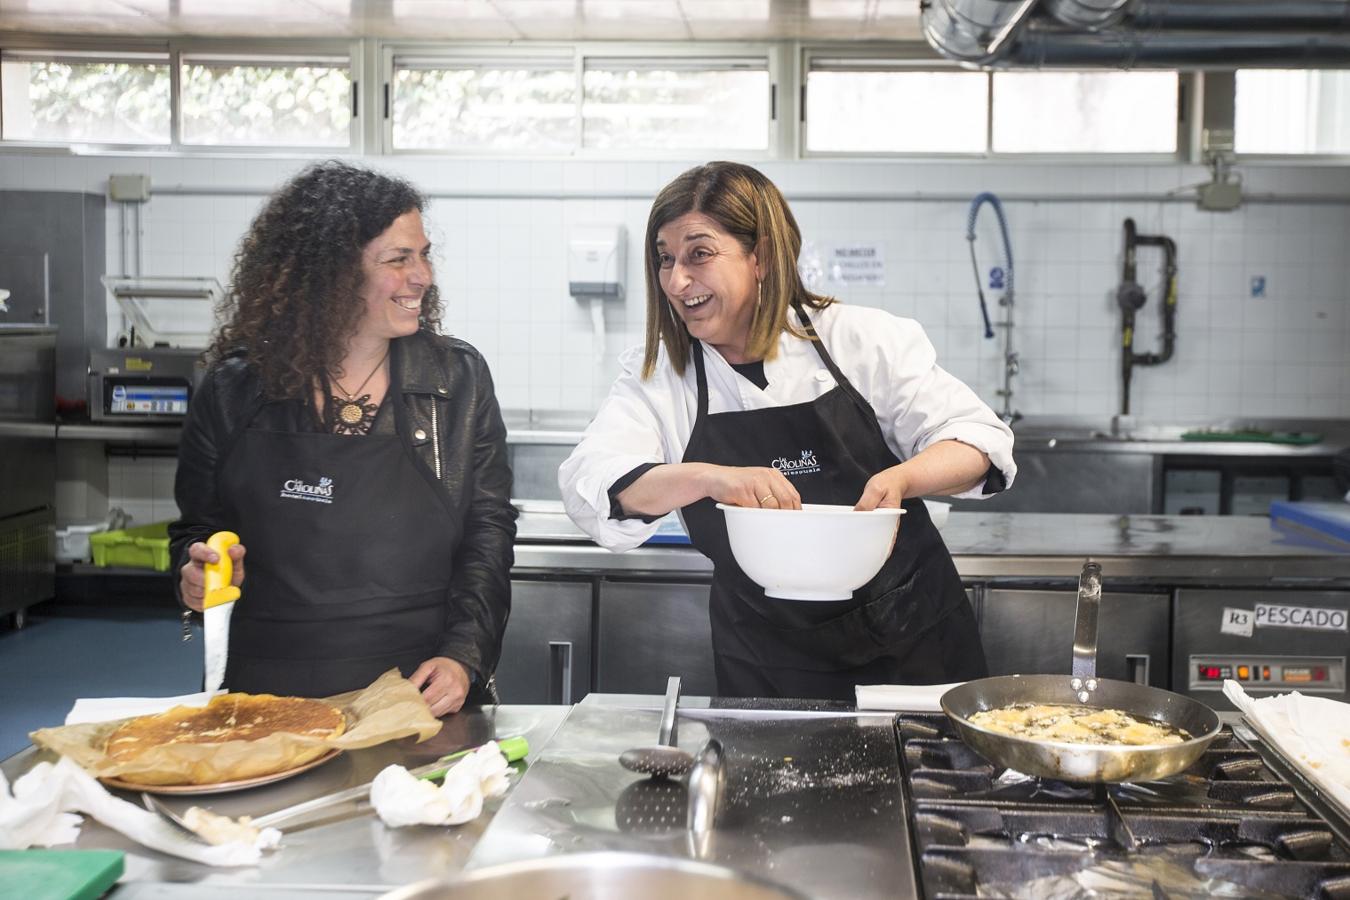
x,y
449,418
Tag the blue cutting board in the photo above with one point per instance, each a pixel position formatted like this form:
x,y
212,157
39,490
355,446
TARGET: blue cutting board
x,y
59,874
1326,517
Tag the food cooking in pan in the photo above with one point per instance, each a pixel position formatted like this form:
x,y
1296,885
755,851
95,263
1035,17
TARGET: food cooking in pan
x,y
1077,725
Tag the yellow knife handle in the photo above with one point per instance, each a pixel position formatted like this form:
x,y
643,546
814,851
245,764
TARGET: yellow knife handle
x,y
220,574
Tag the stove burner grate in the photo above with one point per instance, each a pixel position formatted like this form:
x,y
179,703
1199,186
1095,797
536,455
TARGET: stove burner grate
x,y
1226,827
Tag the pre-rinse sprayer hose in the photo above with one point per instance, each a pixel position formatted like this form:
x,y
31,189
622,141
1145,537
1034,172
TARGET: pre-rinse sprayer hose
x,y
975,204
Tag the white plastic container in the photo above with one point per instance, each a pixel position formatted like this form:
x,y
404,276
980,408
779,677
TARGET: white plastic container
x,y
72,542
938,511
818,552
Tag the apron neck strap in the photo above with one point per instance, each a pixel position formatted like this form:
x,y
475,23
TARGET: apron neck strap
x,y
818,344
700,376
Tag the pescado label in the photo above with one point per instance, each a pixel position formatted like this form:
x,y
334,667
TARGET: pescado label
x,y
1310,618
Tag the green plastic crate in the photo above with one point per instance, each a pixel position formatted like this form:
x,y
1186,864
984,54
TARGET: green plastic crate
x,y
145,547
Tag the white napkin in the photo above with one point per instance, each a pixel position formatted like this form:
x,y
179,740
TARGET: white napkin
x,y
401,798
108,709
903,697
39,813
1312,732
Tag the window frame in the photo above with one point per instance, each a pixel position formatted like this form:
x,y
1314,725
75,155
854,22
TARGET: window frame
x,y
919,57
1281,159
175,50
580,52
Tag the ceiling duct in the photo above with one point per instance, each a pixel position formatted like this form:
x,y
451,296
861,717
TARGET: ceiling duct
x,y
1192,34
1087,14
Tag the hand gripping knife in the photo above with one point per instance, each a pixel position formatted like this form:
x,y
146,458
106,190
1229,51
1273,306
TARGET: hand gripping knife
x,y
217,608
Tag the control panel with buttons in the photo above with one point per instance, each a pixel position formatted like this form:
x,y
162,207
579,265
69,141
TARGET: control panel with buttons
x,y
1311,674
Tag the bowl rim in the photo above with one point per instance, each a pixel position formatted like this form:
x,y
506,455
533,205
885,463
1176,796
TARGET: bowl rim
x,y
824,509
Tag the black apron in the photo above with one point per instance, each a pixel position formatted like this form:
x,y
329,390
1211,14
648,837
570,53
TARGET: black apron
x,y
911,624
349,561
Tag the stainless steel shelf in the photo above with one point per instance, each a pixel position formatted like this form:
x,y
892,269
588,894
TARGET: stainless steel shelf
x,y
140,434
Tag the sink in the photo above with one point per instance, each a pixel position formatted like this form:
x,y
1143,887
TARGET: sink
x,y
593,876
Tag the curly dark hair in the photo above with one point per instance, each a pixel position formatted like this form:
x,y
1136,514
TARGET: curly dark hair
x,y
294,297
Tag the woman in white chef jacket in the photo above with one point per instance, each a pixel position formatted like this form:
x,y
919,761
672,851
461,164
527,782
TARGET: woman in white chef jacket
x,y
744,369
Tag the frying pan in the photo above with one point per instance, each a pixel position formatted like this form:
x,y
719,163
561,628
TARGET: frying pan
x,y
1082,762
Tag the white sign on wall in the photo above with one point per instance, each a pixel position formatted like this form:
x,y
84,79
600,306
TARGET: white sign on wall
x,y
856,264
1311,618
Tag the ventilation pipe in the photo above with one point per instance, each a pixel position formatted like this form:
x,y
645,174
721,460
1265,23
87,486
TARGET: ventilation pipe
x,y
1126,33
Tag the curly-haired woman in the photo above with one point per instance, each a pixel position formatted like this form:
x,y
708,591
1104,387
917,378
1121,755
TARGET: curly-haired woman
x,y
359,455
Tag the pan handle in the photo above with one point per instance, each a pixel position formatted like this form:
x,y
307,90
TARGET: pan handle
x,y
1084,680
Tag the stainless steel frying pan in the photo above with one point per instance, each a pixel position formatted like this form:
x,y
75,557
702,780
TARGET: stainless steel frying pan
x,y
1082,762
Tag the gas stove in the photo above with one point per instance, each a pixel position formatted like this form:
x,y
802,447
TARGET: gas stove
x,y
1232,825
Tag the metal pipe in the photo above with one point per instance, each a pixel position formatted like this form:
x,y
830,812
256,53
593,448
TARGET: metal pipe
x,y
1088,14
1266,15
815,196
1128,47
1155,33
975,32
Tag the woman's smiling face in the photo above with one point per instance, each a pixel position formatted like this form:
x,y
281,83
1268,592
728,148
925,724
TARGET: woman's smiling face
x,y
396,273
710,281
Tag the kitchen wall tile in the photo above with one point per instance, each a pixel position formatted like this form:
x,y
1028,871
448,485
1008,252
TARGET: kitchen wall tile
x,y
502,265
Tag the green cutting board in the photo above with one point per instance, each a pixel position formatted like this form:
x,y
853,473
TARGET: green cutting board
x,y
59,874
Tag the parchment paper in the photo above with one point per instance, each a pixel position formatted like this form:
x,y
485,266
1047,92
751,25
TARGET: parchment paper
x,y
389,709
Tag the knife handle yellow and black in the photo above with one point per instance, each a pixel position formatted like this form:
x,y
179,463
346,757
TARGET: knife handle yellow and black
x,y
220,574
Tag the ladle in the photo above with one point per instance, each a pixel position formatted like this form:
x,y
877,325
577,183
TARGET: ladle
x,y
664,759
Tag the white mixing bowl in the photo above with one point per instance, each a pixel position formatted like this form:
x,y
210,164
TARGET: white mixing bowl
x,y
817,552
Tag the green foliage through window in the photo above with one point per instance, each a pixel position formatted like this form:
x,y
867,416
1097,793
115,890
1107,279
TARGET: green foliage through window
x,y
85,102
302,106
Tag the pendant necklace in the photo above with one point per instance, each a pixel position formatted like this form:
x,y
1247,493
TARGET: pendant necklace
x,y
355,414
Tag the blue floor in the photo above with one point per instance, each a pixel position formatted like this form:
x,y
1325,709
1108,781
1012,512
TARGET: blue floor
x,y
53,660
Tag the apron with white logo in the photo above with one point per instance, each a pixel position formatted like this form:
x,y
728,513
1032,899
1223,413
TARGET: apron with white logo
x,y
349,561
912,623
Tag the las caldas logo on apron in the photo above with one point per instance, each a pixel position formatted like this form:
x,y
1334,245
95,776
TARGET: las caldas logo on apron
x,y
297,489
805,465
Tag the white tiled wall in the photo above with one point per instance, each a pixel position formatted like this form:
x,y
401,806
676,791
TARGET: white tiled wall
x,y
502,269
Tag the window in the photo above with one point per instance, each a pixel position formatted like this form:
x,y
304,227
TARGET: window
x,y
1085,112
484,104
1304,111
75,97
250,101
573,102
915,104
853,106
676,103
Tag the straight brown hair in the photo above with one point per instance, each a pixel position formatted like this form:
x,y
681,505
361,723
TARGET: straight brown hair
x,y
749,207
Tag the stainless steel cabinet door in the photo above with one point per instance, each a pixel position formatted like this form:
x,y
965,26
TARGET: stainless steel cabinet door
x,y
546,651
650,631
1031,632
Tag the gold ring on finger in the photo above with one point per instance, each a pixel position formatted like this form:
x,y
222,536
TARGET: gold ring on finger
x,y
765,499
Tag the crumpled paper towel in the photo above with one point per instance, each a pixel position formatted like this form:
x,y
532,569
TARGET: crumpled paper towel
x,y
1313,732
903,697
109,709
40,813
401,798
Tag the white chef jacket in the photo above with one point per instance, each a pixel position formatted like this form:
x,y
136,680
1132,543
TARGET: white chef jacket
x,y
888,359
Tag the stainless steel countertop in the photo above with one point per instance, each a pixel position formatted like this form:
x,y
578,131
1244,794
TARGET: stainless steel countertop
x,y
341,851
812,797
1175,549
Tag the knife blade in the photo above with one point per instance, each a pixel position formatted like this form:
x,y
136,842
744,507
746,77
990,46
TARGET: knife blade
x,y
513,748
217,607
